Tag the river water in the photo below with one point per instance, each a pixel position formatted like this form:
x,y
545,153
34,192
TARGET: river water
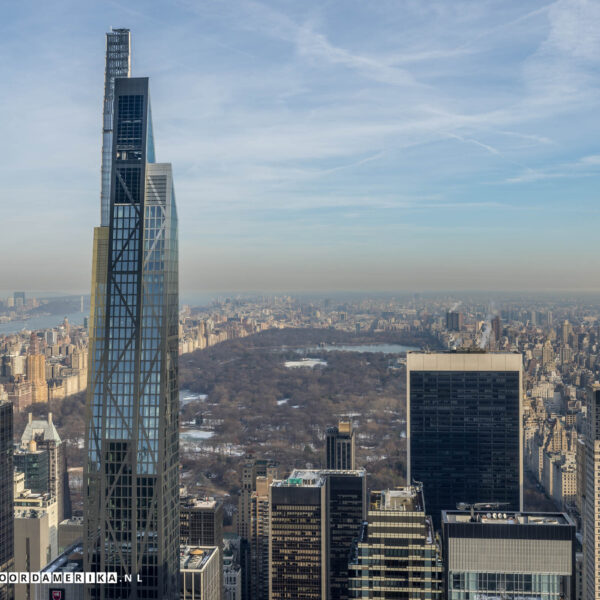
x,y
44,322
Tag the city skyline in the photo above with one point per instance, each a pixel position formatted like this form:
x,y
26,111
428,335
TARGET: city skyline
x,y
321,146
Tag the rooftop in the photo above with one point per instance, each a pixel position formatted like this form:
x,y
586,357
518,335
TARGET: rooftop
x,y
406,499
39,429
506,518
194,558
195,502
70,561
302,478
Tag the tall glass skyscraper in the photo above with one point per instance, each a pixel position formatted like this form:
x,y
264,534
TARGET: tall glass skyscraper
x,y
7,524
131,473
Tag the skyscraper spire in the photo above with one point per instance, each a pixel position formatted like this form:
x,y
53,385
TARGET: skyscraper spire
x,y
118,64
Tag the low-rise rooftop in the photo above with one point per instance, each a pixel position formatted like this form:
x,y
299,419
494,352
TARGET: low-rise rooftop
x,y
506,518
302,478
70,561
194,558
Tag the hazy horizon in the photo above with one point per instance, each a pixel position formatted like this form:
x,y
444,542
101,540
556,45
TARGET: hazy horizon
x,y
341,146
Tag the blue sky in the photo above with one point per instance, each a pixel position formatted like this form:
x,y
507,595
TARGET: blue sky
x,y
331,145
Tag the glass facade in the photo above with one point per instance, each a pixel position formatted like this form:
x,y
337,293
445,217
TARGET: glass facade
x,y
132,504
524,586
6,496
297,541
35,466
524,556
464,437
346,500
118,64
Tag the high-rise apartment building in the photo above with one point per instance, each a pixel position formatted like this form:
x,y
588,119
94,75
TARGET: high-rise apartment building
x,y
341,446
259,540
508,555
33,512
591,497
252,468
6,495
464,428
132,500
43,432
33,463
396,555
454,321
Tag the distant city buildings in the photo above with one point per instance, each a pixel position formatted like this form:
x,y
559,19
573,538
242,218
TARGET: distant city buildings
x,y
41,368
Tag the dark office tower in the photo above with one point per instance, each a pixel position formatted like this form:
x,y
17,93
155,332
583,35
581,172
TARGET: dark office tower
x,y
118,64
315,517
509,556
396,555
346,511
6,496
132,500
464,428
201,522
298,538
454,321
340,446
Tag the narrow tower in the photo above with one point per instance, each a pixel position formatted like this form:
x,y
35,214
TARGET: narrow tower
x,y
118,64
131,472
